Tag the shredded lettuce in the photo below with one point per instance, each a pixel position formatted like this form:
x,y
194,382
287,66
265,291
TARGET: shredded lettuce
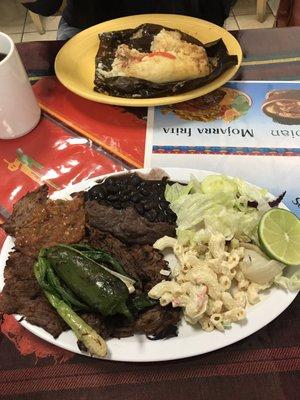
x,y
253,193
292,283
249,193
192,236
173,192
218,204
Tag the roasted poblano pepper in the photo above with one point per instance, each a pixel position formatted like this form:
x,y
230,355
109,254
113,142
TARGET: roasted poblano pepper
x,y
63,300
100,256
49,282
91,282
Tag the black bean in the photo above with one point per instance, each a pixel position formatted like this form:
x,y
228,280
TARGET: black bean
x,y
146,196
136,198
108,182
163,218
148,206
121,185
171,216
151,215
112,189
100,196
139,208
160,218
94,190
112,197
145,192
135,180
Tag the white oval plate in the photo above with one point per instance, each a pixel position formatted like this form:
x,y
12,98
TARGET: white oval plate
x,y
191,341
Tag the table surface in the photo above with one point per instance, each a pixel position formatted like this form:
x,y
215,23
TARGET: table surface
x,y
265,365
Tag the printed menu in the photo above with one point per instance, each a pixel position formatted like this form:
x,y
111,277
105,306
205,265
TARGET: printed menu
x,y
244,129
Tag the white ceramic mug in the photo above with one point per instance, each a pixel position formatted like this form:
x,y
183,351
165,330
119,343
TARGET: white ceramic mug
x,y
19,110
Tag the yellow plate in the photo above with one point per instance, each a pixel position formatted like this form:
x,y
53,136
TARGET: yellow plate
x,y
75,62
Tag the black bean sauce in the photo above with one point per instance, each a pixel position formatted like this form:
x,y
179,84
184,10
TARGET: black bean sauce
x,y
146,196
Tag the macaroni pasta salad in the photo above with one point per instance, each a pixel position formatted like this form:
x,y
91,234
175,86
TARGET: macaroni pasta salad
x,y
209,281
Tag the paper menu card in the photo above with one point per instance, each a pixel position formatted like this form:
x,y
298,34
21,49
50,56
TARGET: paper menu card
x,y
237,138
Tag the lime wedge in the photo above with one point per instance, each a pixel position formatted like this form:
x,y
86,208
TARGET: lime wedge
x,y
279,236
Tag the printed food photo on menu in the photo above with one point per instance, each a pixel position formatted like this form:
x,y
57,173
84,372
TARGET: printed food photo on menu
x,y
283,106
225,104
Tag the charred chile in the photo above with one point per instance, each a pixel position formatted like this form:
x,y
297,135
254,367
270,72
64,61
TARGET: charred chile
x,y
95,286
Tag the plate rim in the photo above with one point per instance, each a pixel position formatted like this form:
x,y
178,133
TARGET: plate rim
x,y
44,335
150,102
